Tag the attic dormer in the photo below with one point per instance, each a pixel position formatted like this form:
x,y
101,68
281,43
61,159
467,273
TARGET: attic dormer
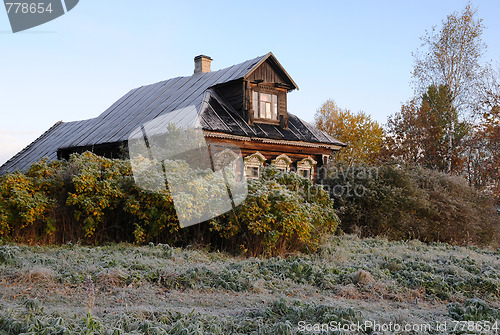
x,y
261,94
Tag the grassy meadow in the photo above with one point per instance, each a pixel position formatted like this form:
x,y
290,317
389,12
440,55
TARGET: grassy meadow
x,y
157,289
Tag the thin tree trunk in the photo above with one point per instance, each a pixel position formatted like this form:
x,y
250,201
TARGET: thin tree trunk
x,y
451,130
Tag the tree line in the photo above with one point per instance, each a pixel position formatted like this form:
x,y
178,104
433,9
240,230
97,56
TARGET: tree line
x,y
451,124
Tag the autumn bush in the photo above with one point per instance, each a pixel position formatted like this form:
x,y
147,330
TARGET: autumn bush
x,y
283,212
411,203
87,198
93,200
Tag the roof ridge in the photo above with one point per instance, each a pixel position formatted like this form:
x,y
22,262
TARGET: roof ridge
x,y
205,73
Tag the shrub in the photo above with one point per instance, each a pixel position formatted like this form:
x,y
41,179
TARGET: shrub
x,y
94,199
88,198
283,212
407,203
8,254
473,310
24,204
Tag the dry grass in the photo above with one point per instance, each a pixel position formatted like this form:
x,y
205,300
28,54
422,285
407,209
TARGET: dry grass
x,y
382,280
36,276
363,277
114,277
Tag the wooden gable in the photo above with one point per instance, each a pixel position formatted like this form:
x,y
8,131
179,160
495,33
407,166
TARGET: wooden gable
x,y
266,76
271,72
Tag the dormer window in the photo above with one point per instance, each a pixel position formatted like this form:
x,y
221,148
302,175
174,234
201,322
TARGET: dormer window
x,y
265,106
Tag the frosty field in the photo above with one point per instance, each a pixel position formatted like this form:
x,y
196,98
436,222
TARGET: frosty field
x,y
157,289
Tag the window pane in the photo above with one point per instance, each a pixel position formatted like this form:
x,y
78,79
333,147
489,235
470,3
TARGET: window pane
x,y
275,107
255,105
265,105
304,173
268,110
252,172
265,97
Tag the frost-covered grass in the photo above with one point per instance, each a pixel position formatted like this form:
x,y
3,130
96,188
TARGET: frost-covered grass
x,y
157,289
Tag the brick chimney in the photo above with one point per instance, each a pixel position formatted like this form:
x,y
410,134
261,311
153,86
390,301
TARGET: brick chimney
x,y
202,64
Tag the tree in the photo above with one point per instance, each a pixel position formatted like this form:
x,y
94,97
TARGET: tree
x,y
483,155
451,58
405,135
363,136
417,135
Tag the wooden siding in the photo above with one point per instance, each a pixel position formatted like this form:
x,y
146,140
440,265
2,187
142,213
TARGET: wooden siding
x,y
268,73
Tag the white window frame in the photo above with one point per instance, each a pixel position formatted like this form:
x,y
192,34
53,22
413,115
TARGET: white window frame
x,y
257,103
229,159
255,160
307,164
282,162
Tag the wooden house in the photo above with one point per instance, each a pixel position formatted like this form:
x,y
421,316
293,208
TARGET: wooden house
x,y
244,105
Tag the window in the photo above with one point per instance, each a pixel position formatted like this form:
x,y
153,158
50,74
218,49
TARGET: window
x,y
282,162
265,106
306,173
230,161
305,167
253,163
252,172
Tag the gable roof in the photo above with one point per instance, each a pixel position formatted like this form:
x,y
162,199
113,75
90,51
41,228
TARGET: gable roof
x,y
272,59
147,102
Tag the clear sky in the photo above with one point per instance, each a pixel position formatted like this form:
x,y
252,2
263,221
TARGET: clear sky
x,y
355,52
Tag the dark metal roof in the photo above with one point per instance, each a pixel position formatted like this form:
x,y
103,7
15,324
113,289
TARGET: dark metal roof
x,y
145,103
219,116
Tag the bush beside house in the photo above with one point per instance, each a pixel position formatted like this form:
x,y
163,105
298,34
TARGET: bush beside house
x,y
93,200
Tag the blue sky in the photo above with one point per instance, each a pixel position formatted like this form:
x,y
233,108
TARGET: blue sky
x,y
357,53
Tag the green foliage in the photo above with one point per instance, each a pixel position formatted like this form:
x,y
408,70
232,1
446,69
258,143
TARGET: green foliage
x,y
190,290
283,212
418,274
408,203
22,204
88,198
97,189
276,317
281,311
94,199
8,254
473,310
228,278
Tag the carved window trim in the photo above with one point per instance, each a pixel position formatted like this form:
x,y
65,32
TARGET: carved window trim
x,y
282,162
254,162
305,167
228,158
